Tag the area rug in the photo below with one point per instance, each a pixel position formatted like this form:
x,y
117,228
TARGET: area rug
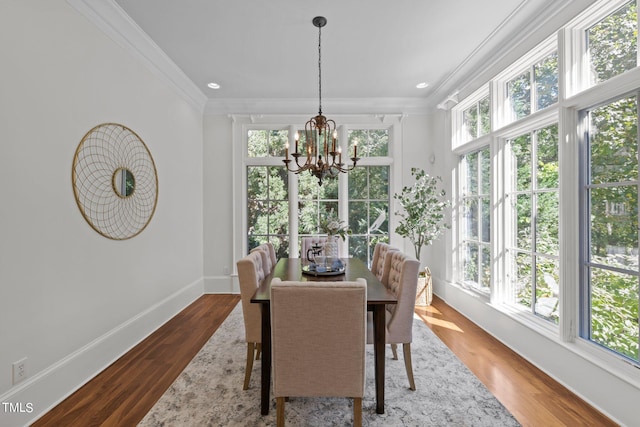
x,y
209,391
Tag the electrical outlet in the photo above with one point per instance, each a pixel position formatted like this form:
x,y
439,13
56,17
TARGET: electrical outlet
x,y
225,271
19,370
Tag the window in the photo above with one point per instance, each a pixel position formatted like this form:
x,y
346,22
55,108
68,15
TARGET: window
x,y
612,44
267,190
369,194
368,210
472,117
533,212
371,142
610,223
476,219
550,136
476,120
266,143
314,202
272,192
534,89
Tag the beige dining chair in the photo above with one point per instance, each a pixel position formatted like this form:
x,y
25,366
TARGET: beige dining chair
x,y
269,259
402,282
377,263
307,242
250,275
309,358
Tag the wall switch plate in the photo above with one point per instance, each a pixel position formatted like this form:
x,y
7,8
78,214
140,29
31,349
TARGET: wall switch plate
x,y
19,370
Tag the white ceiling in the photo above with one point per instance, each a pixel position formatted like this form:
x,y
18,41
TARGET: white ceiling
x,y
267,49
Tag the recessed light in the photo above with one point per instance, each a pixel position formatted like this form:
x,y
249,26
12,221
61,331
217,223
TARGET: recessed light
x,y
214,85
422,85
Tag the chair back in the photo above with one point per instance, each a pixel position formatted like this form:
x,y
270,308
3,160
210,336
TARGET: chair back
x,y
402,282
269,259
267,264
308,242
250,276
318,332
378,262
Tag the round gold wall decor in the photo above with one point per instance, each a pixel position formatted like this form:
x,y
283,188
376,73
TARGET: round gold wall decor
x,y
115,181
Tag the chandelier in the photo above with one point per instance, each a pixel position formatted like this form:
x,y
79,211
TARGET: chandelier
x,y
322,155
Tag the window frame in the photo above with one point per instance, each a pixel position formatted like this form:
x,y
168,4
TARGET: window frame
x,y
242,124
573,96
503,116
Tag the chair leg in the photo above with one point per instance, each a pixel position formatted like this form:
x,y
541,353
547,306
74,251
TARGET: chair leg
x,y
280,411
259,350
357,412
394,350
406,350
249,366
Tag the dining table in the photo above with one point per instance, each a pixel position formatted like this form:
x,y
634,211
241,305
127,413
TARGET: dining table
x,y
378,296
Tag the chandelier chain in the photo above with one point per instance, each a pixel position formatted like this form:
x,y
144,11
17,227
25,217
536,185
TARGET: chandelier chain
x,y
319,70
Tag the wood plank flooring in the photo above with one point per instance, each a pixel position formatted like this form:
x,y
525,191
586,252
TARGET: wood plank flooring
x,y
123,393
533,397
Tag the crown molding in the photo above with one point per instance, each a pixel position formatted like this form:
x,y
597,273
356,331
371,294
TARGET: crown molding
x,y
484,63
109,17
402,106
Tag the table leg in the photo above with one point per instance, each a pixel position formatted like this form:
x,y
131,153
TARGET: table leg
x,y
266,359
379,328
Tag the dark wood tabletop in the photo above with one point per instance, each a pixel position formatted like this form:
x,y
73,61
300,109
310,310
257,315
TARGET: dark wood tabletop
x,y
291,269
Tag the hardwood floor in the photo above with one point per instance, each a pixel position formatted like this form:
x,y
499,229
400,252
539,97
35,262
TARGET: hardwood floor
x,y
534,398
123,393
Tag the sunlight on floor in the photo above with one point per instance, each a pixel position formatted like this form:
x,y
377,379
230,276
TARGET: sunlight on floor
x,y
428,315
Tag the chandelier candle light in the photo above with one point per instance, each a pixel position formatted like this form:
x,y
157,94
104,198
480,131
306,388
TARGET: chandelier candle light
x,y
320,135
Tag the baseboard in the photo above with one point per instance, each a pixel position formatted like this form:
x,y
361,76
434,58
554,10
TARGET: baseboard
x,y
32,399
221,285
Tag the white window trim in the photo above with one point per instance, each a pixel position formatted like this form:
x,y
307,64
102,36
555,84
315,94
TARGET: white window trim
x,y
503,116
457,118
572,99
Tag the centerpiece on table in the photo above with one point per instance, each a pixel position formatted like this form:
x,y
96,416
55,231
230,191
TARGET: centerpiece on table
x,y
333,227
422,221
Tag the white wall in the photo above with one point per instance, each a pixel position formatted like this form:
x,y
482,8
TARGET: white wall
x,y
72,301
219,196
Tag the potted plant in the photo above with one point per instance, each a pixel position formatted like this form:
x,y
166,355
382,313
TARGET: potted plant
x,y
422,220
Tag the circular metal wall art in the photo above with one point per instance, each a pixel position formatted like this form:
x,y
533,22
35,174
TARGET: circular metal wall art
x,y
115,181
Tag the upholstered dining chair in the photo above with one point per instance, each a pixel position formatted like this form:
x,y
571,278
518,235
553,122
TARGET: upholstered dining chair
x,y
309,358
377,263
308,242
269,259
402,281
250,275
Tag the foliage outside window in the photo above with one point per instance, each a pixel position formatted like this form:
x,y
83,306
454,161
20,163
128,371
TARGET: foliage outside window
x,y
476,120
268,207
534,89
604,132
476,219
366,194
610,270
265,143
612,43
368,210
371,142
315,202
533,248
